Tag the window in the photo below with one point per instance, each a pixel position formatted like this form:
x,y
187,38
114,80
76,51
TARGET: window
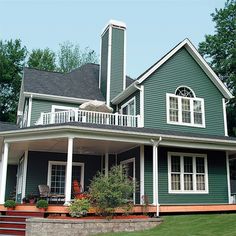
x,y
183,108
62,114
129,107
187,173
57,175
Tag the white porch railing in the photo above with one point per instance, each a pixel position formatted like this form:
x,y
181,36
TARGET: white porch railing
x,y
88,117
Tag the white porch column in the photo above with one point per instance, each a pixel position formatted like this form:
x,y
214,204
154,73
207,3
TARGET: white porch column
x,y
69,171
106,163
228,177
3,173
141,174
155,174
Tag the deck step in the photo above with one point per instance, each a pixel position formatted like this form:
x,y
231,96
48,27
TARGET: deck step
x,y
25,213
10,224
13,218
12,231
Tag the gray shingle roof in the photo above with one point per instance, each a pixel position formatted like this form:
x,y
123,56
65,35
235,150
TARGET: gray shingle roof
x,y
5,126
79,83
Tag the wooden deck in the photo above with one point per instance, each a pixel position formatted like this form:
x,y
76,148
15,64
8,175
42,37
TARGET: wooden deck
x,y
138,209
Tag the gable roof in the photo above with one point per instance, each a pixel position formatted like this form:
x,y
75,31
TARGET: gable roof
x,y
79,83
197,57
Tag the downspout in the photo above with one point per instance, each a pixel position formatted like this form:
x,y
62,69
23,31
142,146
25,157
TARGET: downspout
x,y
141,89
155,174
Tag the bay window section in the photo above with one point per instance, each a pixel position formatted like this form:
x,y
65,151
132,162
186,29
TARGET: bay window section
x,y
187,173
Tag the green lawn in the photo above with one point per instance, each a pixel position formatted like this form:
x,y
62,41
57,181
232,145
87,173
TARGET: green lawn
x,y
191,225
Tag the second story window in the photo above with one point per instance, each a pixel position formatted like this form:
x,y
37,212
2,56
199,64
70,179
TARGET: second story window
x,y
184,108
129,107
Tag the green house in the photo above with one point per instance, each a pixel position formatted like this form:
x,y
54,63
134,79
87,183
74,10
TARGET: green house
x,y
168,128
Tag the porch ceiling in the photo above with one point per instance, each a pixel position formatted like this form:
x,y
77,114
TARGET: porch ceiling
x,y
81,146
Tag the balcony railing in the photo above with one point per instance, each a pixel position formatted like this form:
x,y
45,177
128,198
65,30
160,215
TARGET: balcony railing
x,y
88,117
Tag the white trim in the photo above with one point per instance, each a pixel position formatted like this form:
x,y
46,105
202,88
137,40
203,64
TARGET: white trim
x,y
124,61
182,191
54,107
4,173
100,67
24,174
29,111
228,177
127,103
131,160
115,23
155,173
142,105
180,122
57,98
187,88
108,94
106,163
142,174
225,117
50,163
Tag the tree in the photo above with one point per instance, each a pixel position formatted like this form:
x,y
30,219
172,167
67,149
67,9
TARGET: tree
x,y
70,56
43,59
220,50
12,58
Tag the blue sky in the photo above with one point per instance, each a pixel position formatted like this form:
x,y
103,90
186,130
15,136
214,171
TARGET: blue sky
x,y
153,27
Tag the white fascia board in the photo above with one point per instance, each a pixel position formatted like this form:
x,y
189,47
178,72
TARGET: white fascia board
x,y
117,135
56,98
115,23
124,94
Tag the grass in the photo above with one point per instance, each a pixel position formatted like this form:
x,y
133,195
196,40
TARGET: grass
x,y
190,225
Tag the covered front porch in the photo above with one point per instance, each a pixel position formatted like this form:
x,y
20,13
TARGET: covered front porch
x,y
57,162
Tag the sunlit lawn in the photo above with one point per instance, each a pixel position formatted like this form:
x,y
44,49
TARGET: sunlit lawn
x,y
191,225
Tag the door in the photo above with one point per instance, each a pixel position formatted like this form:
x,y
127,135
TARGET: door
x,y
57,175
129,169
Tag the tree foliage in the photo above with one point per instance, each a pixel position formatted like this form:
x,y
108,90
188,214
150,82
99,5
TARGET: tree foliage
x,y
220,50
70,56
12,58
43,59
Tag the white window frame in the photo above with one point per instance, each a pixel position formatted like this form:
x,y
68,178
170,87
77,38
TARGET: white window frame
x,y
131,160
50,163
127,103
182,191
54,107
180,122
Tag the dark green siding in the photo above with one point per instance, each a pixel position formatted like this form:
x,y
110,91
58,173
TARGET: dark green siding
x,y
182,70
104,63
217,178
37,169
133,153
137,100
148,180
11,181
39,106
117,61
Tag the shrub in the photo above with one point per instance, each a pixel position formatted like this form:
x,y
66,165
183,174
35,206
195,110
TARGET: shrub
x,y
112,191
10,204
42,204
79,207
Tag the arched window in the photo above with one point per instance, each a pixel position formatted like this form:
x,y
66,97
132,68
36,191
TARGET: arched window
x,y
185,92
185,108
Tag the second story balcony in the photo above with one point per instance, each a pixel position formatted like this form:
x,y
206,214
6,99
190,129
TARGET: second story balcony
x,y
93,117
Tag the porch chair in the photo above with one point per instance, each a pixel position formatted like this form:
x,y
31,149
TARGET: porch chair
x,y
44,192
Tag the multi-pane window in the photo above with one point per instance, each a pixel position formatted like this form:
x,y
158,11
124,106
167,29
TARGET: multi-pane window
x,y
129,107
185,109
187,173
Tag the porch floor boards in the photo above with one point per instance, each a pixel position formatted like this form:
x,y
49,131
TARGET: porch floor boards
x,y
60,209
